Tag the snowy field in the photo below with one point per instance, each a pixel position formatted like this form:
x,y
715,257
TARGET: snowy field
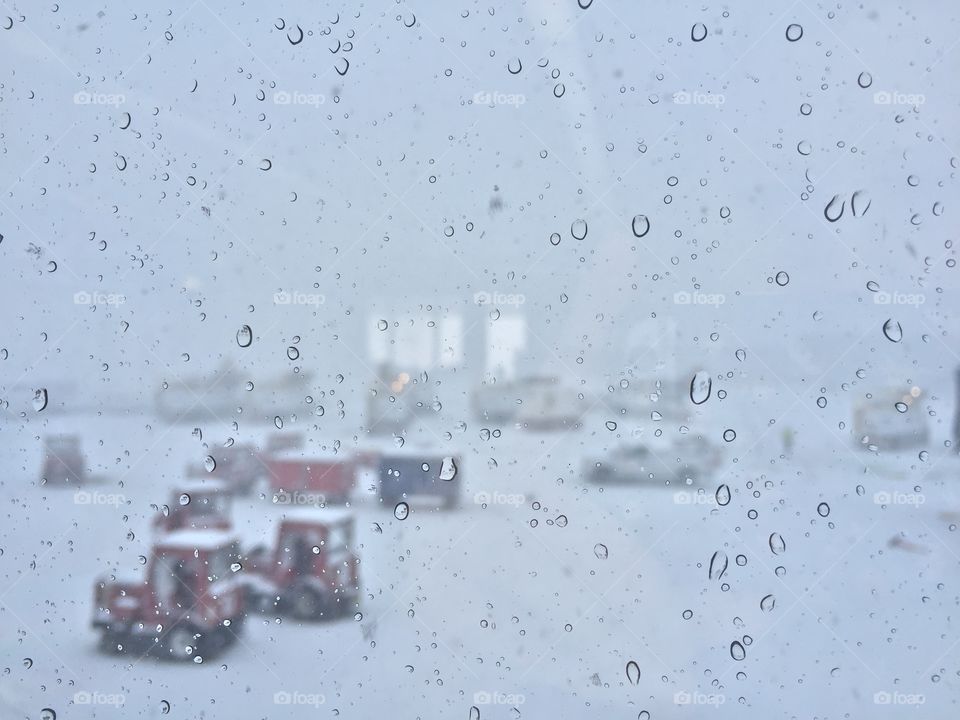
x,y
507,600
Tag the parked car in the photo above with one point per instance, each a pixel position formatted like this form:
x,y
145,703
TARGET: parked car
x,y
688,460
409,473
300,477
197,505
63,461
189,605
311,571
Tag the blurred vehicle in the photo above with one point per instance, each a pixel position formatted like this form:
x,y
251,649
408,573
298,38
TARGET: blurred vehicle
x,y
300,477
546,403
685,461
311,571
190,604
409,473
891,420
496,402
196,505
63,461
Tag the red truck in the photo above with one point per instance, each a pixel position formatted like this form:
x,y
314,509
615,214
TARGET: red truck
x,y
311,572
190,605
196,505
299,477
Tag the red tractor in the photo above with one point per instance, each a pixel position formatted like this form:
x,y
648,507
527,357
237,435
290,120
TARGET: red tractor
x,y
311,573
189,607
63,461
303,478
197,505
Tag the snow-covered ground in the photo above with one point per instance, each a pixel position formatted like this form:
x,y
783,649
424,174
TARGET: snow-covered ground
x,y
536,601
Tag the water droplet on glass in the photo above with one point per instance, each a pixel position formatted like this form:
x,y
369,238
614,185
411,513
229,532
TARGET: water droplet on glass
x,y
700,386
794,32
448,469
600,550
777,544
723,495
244,336
865,80
640,225
40,399
767,603
209,464
633,672
718,565
893,331
834,209
823,509
578,229
737,651
401,511
698,32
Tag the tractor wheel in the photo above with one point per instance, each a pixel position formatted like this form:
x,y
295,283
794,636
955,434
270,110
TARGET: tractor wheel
x,y
179,644
305,604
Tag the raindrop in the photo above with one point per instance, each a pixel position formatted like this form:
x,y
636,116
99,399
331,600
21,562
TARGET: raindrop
x,y
767,603
700,386
794,32
737,651
164,707
278,422
40,399
834,209
514,66
297,37
741,354
244,336
600,550
723,495
860,203
901,407
209,464
293,353
892,330
865,80
448,469
381,325
823,509
184,499
718,565
777,544
578,229
729,435
633,672
640,225
401,511
698,32
782,278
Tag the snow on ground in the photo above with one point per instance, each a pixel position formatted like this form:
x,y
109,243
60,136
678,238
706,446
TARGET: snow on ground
x,y
515,601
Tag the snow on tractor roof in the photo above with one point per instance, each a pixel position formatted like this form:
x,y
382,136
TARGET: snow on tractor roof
x,y
324,516
202,485
196,540
309,454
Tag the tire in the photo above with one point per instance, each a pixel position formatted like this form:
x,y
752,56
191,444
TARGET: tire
x,y
179,644
305,604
